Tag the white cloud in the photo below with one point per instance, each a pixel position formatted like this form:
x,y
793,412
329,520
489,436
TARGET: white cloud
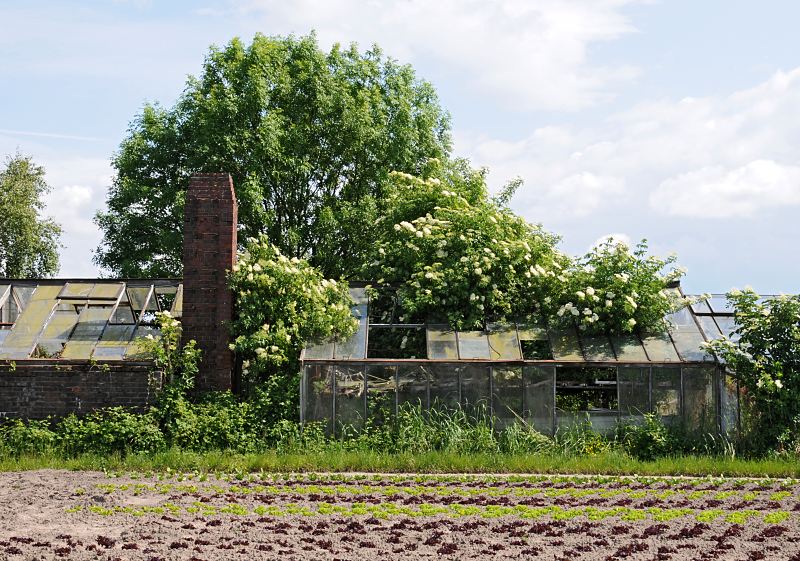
x,y
721,193
616,238
531,53
713,156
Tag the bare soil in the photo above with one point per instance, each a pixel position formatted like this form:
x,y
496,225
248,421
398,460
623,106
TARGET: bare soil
x,y
55,515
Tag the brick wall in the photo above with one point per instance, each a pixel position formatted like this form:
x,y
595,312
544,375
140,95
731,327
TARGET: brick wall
x,y
36,389
209,250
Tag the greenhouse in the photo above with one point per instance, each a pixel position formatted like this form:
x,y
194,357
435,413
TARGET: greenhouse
x,y
518,371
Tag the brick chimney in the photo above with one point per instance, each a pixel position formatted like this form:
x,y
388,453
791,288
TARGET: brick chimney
x,y
209,250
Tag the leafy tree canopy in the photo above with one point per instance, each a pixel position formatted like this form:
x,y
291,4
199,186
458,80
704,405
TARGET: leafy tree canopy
x,y
455,253
309,138
28,243
764,354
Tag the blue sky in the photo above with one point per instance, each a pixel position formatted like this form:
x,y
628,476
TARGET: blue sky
x,y
674,121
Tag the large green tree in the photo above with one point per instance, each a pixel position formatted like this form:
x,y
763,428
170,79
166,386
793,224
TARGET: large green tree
x,y
28,243
309,138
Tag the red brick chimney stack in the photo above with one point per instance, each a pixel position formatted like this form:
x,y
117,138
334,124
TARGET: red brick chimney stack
x,y
209,251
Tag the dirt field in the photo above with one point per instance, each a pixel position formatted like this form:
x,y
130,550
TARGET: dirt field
x,y
83,515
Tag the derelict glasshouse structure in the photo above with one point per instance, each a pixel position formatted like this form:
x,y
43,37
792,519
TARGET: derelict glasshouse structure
x,y
516,371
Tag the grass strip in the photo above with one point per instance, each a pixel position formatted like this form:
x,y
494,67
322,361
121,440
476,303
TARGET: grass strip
x,y
607,463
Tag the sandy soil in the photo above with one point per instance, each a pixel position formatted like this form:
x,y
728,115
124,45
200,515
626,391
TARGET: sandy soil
x,y
54,515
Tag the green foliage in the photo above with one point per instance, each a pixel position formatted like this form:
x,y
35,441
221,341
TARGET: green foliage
x,y
456,254
647,441
309,138
111,430
765,357
281,304
615,290
31,437
28,243
453,253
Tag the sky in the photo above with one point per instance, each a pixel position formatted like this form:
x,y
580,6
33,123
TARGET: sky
x,y
677,121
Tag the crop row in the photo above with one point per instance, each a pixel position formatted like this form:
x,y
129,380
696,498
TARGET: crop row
x,y
442,491
386,510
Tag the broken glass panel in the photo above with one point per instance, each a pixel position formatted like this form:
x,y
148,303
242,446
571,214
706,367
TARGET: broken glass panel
x,y
165,297
396,342
534,343
441,342
472,345
76,291
586,394
503,341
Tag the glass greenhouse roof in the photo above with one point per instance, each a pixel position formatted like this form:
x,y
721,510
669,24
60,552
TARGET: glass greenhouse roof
x,y
383,336
82,319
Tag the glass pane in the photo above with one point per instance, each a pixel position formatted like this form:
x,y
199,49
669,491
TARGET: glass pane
x,y
350,396
355,346
20,342
114,342
55,334
322,350
629,348
728,325
729,404
698,395
444,386
597,348
381,393
709,327
475,394
659,348
539,397
177,305
76,291
412,385
503,342
507,390
690,346
682,320
634,391
106,291
91,323
472,344
667,393
441,342
566,346
138,297
318,394
123,314
719,304
396,342
701,307
24,294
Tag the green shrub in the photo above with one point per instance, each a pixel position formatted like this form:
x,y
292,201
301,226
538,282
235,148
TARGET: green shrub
x,y
647,441
31,437
111,430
